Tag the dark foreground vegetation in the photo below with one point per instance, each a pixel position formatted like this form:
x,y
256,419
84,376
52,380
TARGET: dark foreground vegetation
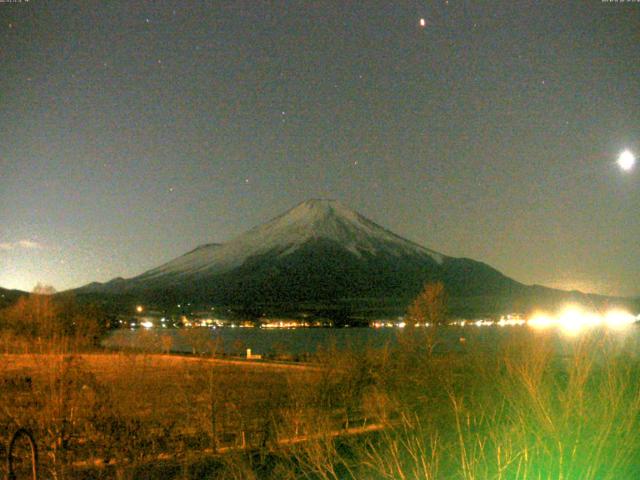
x,y
529,409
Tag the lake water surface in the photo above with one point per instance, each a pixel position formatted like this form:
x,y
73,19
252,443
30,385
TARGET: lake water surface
x,y
268,342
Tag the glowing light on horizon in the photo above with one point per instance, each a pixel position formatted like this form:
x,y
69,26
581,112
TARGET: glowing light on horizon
x,y
574,319
510,321
618,319
540,321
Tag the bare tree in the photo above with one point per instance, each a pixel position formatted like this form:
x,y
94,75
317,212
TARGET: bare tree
x,y
45,316
429,307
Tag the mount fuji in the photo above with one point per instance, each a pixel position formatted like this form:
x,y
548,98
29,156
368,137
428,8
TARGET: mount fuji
x,y
319,253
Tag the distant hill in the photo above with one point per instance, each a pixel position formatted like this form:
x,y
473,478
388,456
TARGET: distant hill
x,y
325,255
7,297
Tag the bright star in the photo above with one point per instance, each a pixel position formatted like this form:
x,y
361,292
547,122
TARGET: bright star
x,y
423,22
626,160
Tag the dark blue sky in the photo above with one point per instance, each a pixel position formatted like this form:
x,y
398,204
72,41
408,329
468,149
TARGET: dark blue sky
x,y
132,131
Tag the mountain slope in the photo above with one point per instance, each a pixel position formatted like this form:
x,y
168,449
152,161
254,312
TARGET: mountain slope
x,y
7,297
321,252
284,235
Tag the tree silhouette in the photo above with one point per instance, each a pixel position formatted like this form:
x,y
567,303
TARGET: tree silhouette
x,y
429,306
44,315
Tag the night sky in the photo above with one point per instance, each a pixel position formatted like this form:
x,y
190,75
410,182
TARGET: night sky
x,y
131,132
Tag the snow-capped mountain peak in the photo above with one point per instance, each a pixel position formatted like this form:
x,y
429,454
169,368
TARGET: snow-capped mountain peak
x,y
316,219
331,220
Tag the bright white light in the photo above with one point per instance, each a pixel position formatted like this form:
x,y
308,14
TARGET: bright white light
x,y
574,320
626,160
423,22
483,323
571,320
147,324
618,319
510,321
540,321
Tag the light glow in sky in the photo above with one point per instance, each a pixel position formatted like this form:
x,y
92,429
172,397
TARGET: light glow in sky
x,y
626,160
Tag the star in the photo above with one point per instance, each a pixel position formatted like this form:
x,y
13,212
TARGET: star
x,y
423,22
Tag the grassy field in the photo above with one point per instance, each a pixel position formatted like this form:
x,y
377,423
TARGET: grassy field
x,y
529,410
93,409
